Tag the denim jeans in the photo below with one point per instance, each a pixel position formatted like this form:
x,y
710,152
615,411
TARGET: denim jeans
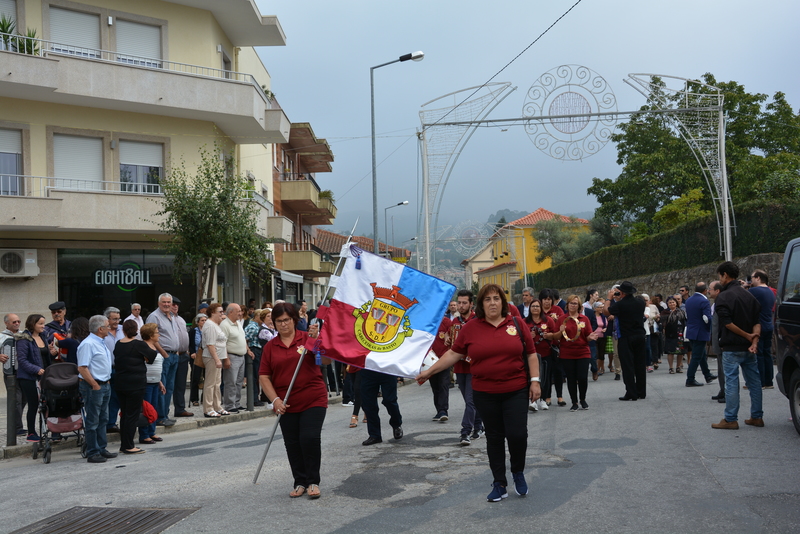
x,y
593,352
151,395
95,415
471,421
731,361
765,369
168,370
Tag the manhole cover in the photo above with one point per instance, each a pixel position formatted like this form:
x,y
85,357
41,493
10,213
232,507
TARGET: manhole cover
x,y
87,519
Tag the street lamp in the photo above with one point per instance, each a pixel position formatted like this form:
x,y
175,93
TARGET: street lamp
x,y
416,56
386,226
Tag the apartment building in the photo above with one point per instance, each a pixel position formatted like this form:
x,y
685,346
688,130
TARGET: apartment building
x,y
95,112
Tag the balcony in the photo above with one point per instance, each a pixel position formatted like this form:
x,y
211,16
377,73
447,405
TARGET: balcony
x,y
302,196
278,229
35,203
65,74
307,259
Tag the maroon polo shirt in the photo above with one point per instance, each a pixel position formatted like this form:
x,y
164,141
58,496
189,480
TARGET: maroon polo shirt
x,y
495,354
461,366
280,361
545,326
575,350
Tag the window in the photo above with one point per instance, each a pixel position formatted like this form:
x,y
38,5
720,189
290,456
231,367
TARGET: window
x,y
10,162
141,166
138,44
75,33
78,162
791,287
9,9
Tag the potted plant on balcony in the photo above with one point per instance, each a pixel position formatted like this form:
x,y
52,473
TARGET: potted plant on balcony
x,y
7,28
326,193
28,43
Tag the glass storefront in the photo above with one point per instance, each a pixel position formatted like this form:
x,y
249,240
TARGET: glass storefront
x,y
91,280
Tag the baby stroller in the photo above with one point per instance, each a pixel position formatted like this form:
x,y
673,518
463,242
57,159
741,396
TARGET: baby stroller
x,y
59,408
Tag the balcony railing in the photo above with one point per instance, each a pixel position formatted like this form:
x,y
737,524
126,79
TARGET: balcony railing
x,y
18,185
306,247
299,176
260,200
43,48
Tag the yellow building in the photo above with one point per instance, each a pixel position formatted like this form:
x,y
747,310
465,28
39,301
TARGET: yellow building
x,y
95,112
513,249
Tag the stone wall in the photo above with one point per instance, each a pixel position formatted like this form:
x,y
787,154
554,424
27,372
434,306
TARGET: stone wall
x,y
667,283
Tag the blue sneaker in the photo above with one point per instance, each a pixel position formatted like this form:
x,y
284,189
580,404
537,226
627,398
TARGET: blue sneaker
x,y
520,486
498,493
33,437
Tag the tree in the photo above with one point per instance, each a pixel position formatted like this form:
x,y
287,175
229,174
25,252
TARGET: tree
x,y
500,223
685,208
210,218
658,167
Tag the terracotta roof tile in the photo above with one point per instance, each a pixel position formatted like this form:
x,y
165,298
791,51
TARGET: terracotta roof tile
x,y
332,242
496,266
543,215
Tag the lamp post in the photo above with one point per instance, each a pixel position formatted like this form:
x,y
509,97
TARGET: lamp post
x,y
386,226
416,56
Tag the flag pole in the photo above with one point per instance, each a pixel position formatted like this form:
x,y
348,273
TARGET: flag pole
x,y
299,363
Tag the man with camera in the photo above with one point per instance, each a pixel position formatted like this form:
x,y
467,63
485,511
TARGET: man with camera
x,y
629,313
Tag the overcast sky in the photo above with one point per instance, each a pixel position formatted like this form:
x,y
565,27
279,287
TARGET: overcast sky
x,y
321,76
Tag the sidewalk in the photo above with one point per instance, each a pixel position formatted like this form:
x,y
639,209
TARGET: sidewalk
x,y
24,448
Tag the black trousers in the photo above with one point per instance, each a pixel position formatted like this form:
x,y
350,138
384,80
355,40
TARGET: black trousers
x,y
633,359
194,388
505,419
301,436
31,396
440,385
130,405
553,378
577,381
355,381
179,393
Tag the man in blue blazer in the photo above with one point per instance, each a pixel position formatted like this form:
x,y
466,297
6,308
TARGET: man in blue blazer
x,y
698,331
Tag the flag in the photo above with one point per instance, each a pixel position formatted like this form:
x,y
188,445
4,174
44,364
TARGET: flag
x,y
384,315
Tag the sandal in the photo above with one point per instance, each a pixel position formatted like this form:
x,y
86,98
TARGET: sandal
x,y
297,491
671,371
223,412
147,441
679,370
353,421
313,491
195,403
364,420
135,450
212,414
156,438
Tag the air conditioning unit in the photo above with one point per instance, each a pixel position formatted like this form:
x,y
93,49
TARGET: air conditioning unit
x,y
18,263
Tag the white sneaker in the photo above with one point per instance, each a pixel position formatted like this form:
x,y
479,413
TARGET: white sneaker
x,y
543,405
533,407
350,403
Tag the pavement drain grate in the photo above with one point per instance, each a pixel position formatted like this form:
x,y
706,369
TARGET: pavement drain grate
x,y
88,519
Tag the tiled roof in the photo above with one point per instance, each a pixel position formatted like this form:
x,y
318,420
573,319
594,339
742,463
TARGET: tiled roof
x,y
496,266
332,242
543,215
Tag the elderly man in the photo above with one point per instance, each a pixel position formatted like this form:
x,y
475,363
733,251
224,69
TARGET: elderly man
x,y
233,366
179,396
698,331
7,347
59,324
739,334
114,334
527,298
136,315
168,346
94,366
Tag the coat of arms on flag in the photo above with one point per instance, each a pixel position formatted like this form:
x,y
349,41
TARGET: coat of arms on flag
x,y
384,316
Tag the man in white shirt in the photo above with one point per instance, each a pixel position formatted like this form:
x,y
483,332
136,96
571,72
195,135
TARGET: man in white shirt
x,y
114,334
136,315
233,366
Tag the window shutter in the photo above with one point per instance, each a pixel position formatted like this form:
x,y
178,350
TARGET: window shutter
x,y
11,141
144,154
139,40
78,158
9,9
80,30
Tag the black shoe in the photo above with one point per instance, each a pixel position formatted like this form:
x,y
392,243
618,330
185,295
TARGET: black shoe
x,y
258,403
96,459
721,400
106,454
112,430
584,406
574,408
233,410
241,409
616,377
477,434
166,422
398,432
710,378
464,441
371,441
627,398
693,384
719,396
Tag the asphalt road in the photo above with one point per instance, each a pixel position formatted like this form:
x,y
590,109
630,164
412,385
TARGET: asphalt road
x,y
655,465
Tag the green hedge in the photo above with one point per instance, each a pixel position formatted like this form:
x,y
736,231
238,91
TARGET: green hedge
x,y
761,226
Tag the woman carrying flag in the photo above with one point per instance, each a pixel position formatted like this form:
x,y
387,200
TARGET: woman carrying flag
x,y
496,347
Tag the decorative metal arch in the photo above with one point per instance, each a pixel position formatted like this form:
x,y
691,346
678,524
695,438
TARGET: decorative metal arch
x,y
442,144
700,121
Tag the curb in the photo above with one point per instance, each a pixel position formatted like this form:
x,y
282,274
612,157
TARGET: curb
x,y
25,449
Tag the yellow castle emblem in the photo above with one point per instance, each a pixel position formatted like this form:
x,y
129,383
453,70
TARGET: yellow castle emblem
x,y
382,324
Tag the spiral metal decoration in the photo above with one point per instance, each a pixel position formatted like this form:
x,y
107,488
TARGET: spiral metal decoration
x,y
471,237
570,90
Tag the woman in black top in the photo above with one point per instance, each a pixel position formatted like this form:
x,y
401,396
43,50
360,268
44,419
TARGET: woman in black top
x,y
673,324
130,357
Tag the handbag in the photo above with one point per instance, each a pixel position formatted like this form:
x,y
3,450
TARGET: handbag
x,y
198,359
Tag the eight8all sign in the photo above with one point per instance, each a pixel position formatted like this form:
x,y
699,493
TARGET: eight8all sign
x,y
127,277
